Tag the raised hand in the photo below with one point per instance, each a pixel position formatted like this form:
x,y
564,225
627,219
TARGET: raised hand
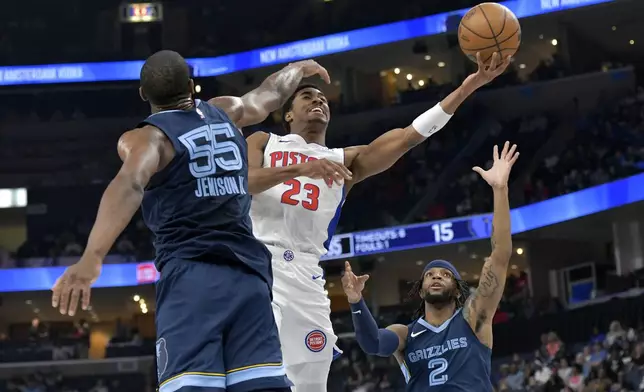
x,y
352,284
486,73
73,285
328,170
311,67
497,176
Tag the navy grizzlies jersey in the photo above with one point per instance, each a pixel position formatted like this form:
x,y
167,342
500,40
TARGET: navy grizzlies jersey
x,y
448,358
197,207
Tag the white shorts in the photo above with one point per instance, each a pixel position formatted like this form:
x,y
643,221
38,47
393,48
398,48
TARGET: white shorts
x,y
301,307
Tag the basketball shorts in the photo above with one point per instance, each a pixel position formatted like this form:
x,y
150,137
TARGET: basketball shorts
x,y
302,308
216,330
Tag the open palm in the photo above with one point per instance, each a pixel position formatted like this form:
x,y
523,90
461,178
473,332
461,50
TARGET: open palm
x,y
352,284
497,176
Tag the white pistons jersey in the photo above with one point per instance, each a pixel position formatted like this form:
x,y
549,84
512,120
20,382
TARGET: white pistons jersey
x,y
300,214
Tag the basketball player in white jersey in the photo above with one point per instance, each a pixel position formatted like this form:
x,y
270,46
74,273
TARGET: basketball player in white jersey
x,y
299,186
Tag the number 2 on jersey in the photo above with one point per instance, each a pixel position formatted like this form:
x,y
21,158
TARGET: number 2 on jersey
x,y
438,366
312,195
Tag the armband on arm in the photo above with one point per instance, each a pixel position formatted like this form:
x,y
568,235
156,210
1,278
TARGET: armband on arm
x,y
374,341
431,121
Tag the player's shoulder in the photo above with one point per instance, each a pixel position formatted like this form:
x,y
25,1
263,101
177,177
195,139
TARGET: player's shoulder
x,y
258,139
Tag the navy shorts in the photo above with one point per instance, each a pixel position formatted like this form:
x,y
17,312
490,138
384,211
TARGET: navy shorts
x,y
216,330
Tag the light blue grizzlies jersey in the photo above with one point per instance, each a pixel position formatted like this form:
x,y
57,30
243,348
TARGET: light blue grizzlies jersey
x,y
447,358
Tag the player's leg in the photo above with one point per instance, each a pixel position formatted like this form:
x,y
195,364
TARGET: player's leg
x,y
252,351
307,333
191,313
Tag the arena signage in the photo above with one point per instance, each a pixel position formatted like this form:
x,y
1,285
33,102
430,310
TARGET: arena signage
x,y
279,54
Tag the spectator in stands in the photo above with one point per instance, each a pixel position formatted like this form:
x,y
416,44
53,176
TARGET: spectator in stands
x,y
597,356
38,331
615,334
515,378
576,380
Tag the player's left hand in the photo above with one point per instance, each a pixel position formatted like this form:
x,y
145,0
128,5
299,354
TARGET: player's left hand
x,y
497,176
486,73
352,284
75,284
310,68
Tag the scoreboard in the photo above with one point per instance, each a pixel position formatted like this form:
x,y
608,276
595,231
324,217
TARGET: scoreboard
x,y
141,12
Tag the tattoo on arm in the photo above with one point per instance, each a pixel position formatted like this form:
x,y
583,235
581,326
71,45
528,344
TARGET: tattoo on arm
x,y
488,285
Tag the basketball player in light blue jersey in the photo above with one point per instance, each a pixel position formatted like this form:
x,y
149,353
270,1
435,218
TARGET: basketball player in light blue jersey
x,y
448,346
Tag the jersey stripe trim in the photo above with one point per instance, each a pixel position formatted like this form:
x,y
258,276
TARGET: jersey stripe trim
x,y
336,218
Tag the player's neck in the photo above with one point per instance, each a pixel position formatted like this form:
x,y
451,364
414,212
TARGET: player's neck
x,y
437,315
312,134
182,104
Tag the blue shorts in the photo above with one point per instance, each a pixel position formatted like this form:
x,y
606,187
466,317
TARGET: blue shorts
x,y
216,330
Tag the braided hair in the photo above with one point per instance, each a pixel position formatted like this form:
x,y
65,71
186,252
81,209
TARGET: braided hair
x,y
461,285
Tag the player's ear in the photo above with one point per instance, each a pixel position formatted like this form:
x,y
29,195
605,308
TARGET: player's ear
x,y
288,117
191,86
142,94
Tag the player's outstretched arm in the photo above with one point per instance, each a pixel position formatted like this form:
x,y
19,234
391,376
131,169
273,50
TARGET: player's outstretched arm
x,y
372,340
262,178
141,152
480,307
383,152
255,106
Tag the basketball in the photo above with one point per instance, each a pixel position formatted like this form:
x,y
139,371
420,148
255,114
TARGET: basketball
x,y
489,28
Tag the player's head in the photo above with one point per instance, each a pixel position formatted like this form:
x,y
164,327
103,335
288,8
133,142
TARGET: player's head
x,y
165,79
440,285
307,108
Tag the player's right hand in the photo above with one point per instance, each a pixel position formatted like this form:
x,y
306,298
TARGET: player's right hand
x,y
352,284
73,285
311,67
328,170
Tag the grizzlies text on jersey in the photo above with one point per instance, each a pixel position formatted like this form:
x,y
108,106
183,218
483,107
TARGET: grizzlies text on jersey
x,y
447,358
198,205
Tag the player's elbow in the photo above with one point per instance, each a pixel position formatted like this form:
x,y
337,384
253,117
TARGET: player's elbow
x,y
384,344
501,255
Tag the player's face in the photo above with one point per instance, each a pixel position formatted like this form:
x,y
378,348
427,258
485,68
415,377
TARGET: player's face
x,y
310,105
439,287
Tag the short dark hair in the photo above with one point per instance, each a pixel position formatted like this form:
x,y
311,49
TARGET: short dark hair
x,y
165,78
288,105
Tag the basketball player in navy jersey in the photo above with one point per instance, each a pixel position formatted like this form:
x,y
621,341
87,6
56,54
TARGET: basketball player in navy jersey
x,y
449,346
186,166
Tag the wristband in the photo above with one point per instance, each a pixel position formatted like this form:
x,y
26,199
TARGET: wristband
x,y
431,121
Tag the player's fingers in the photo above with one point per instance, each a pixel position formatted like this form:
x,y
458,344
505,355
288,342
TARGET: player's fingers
x,y
504,152
56,291
478,170
514,158
346,173
347,267
64,297
479,61
495,153
510,153
363,278
324,74
87,293
494,61
73,300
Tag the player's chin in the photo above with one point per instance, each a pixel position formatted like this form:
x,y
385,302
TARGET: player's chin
x,y
318,117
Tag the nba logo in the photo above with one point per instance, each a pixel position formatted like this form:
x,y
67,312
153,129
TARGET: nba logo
x,y
289,255
315,341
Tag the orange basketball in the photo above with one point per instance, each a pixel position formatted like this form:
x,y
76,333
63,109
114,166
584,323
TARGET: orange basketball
x,y
489,28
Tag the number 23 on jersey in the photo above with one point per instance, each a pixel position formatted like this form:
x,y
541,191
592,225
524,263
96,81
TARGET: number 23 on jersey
x,y
311,192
